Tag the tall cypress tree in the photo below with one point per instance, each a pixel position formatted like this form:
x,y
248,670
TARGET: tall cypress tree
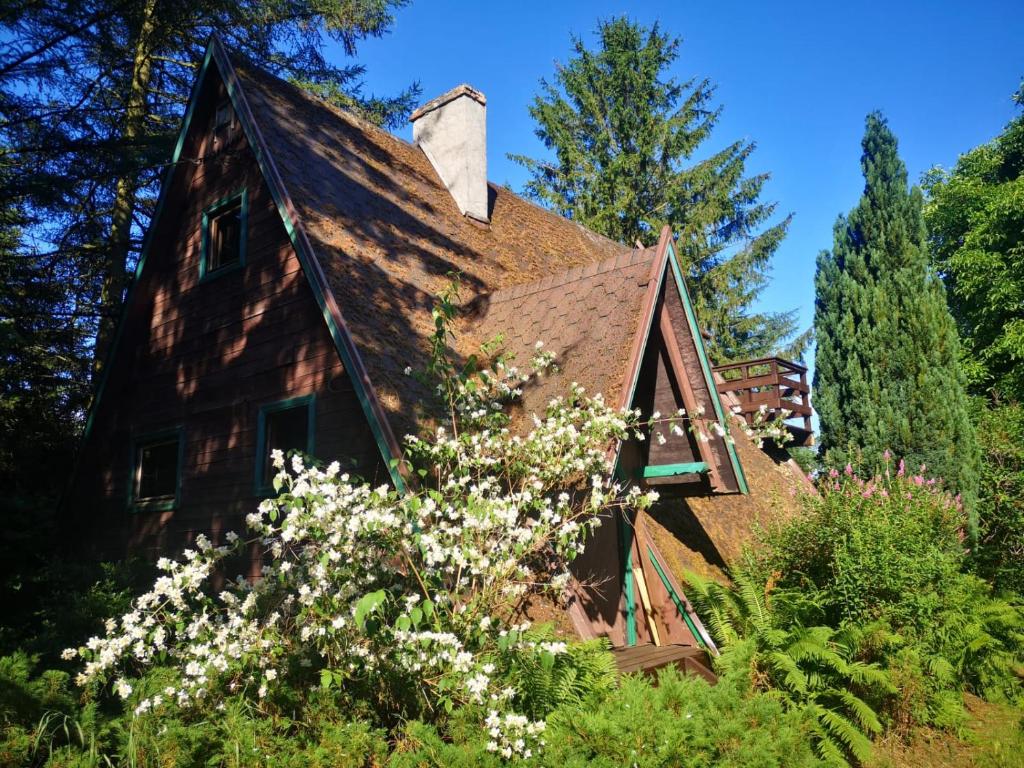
x,y
624,134
887,375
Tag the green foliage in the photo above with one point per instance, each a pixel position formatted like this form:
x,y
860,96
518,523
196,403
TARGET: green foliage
x,y
886,367
975,216
886,556
43,381
814,670
1001,506
805,458
551,681
50,603
885,548
677,721
624,134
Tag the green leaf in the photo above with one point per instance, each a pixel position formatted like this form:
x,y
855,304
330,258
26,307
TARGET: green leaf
x,y
367,604
326,678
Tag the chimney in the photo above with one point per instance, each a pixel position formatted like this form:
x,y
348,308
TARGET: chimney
x,y
452,132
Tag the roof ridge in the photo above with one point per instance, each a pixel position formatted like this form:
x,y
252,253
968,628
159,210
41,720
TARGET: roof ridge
x,y
572,275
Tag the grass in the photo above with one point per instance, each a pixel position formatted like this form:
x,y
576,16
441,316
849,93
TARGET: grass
x,y
993,738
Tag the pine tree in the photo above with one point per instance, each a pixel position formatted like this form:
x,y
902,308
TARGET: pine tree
x,y
624,134
92,93
887,375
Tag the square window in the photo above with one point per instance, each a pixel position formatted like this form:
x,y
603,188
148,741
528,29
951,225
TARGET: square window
x,y
223,237
157,471
286,427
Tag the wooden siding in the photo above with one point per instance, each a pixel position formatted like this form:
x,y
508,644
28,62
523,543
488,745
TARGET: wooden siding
x,y
204,356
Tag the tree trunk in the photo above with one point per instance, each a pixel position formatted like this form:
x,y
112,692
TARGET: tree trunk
x,y
115,270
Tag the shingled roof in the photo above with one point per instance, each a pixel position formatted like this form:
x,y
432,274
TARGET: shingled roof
x,y
388,235
583,315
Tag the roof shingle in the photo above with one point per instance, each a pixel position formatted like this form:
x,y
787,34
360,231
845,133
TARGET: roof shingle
x,y
389,237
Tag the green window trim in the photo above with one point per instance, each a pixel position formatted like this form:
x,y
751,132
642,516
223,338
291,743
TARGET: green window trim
x,y
263,485
670,470
136,504
209,213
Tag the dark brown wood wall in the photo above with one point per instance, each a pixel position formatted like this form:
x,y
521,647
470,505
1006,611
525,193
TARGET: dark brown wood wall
x,y
205,356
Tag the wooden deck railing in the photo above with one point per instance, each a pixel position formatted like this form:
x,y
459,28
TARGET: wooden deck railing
x,y
774,383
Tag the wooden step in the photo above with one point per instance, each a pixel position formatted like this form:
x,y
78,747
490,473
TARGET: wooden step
x,y
648,658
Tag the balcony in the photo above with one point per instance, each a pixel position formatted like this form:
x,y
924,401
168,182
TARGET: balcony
x,y
773,384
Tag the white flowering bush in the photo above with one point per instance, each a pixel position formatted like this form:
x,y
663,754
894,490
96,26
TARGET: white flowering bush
x,y
408,600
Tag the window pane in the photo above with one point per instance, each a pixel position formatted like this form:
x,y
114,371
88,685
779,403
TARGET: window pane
x,y
287,430
157,470
226,237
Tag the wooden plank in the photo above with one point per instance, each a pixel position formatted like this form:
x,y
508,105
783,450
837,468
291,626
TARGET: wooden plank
x,y
783,363
647,659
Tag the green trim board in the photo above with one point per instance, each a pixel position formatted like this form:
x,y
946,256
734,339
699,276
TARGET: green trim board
x,y
680,606
262,485
670,470
210,213
342,341
626,536
706,368
163,436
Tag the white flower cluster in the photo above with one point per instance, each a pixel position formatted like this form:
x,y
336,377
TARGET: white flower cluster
x,y
767,425
513,735
368,585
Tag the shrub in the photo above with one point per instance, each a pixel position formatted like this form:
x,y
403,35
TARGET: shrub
x,y
407,601
815,670
891,552
879,549
676,721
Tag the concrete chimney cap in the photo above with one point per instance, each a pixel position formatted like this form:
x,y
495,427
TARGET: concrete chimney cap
x,y
460,90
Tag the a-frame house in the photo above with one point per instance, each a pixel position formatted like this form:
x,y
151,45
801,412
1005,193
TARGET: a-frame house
x,y
285,285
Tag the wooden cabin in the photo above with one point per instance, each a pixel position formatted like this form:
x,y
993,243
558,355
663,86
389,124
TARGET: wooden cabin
x,y
285,285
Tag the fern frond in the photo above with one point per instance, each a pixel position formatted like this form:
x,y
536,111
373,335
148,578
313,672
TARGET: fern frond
x,y
847,733
862,712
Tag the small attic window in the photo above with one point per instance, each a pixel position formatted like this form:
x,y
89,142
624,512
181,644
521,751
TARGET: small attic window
x,y
224,236
224,120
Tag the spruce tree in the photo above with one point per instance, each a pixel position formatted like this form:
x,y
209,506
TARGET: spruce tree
x,y
624,134
887,373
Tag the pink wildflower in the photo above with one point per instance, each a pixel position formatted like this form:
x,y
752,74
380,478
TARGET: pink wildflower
x,y
849,469
887,455
902,469
833,473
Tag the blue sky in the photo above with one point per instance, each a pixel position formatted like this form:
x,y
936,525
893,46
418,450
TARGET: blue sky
x,y
796,78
